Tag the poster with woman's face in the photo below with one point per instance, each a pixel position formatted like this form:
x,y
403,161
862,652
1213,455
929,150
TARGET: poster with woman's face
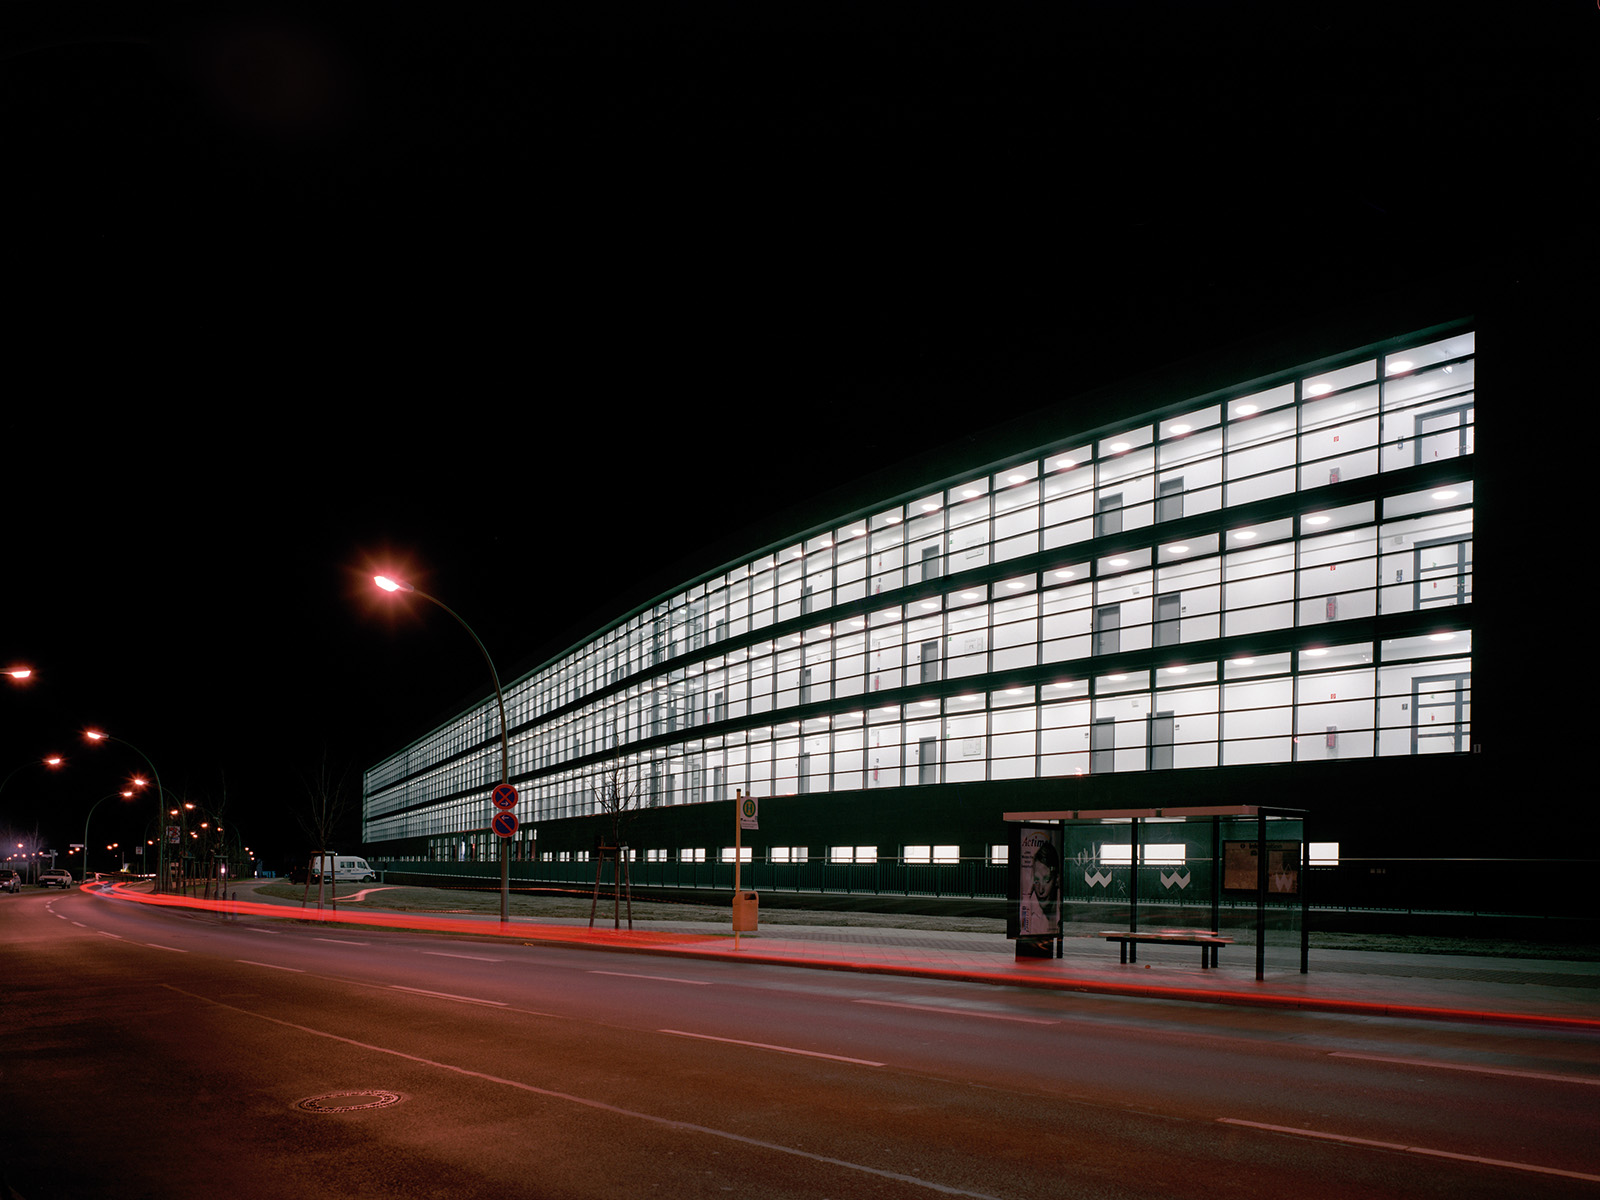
x,y
1039,914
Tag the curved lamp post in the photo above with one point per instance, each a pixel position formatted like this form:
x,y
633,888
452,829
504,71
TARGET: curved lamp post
x,y
52,762
389,584
94,735
127,794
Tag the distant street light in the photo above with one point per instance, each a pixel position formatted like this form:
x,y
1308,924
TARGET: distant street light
x,y
389,584
20,674
94,735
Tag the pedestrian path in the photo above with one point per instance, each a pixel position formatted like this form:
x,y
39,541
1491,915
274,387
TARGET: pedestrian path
x,y
1362,982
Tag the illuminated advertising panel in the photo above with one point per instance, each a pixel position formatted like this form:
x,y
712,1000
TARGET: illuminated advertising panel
x,y
1239,870
1036,877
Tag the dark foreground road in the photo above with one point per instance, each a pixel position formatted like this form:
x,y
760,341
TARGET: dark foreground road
x,y
153,1053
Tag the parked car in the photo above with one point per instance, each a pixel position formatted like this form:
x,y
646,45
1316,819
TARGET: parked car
x,y
56,878
10,881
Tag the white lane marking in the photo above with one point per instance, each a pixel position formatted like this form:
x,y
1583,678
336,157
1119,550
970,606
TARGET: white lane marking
x,y
250,962
254,929
80,925
118,936
663,978
1424,1150
1480,1070
447,996
961,1012
174,949
706,1037
600,1105
342,942
447,954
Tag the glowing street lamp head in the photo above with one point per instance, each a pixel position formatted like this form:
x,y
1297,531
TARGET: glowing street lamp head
x,y
53,761
20,673
94,735
392,585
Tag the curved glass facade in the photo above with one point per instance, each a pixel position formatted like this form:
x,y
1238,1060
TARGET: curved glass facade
x,y
1276,573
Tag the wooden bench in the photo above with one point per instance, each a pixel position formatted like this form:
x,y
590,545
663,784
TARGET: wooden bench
x,y
1208,940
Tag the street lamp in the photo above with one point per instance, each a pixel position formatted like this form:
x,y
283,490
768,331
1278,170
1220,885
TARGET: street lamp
x,y
94,735
390,584
125,795
52,761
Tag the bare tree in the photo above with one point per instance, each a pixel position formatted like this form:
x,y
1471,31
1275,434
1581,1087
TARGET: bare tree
x,y
616,798
329,808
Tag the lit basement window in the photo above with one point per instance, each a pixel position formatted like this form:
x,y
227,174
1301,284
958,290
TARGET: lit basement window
x,y
1323,854
1163,855
919,854
947,855
999,856
744,854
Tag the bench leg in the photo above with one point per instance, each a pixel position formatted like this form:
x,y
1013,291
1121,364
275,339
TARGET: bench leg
x,y
1124,946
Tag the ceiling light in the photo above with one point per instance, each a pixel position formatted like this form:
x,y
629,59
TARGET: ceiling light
x,y
1119,562
1445,495
1400,364
1177,549
1319,389
1180,429
1244,535
1119,447
1244,410
1318,519
1441,637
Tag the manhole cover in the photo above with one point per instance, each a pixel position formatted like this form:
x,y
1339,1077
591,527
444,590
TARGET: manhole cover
x,y
337,1102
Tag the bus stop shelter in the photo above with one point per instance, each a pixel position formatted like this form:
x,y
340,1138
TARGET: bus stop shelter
x,y
1236,852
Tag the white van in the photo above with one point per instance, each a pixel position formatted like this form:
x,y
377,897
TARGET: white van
x,y
341,867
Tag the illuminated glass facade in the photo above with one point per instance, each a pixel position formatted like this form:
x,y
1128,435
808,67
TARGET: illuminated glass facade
x,y
1276,573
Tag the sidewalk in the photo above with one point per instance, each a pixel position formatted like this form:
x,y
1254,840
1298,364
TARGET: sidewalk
x,y
1374,983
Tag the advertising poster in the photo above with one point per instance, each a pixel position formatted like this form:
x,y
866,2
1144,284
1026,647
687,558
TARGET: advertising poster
x,y
1039,879
1283,867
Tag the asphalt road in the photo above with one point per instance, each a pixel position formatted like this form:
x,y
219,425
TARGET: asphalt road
x,y
158,1053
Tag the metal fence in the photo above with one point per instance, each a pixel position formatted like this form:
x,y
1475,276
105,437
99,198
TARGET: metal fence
x,y
1511,887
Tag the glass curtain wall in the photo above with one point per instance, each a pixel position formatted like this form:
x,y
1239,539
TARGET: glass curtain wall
x,y
1209,586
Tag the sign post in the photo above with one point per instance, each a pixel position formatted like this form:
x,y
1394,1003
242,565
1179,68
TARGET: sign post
x,y
504,824
745,810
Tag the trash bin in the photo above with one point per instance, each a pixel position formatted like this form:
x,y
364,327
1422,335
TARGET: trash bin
x,y
746,906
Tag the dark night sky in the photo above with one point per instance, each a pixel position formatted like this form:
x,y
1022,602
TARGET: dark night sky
x,y
563,308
